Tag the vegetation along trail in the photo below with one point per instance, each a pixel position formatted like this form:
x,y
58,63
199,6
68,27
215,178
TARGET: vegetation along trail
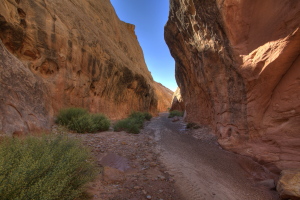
x,y
202,169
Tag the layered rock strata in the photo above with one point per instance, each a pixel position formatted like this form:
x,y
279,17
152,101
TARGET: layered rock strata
x,y
71,53
238,68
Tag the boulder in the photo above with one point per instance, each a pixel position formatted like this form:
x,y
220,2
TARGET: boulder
x,y
112,175
288,185
115,161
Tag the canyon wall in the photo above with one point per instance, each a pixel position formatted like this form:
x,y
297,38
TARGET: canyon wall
x,y
177,101
238,68
68,53
164,95
22,95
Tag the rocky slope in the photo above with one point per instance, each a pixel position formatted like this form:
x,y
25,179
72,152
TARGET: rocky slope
x,y
238,68
69,53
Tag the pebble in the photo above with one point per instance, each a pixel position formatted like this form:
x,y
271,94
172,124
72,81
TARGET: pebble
x,y
149,197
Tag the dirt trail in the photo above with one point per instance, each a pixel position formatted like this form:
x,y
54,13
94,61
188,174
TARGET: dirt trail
x,y
202,170
166,162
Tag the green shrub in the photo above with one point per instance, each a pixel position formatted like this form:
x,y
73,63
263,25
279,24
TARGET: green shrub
x,y
129,125
174,113
65,115
101,122
141,115
81,124
133,123
148,116
48,168
79,120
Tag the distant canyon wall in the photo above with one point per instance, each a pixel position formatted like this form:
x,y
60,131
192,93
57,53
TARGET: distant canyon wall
x,y
164,95
238,68
68,53
177,101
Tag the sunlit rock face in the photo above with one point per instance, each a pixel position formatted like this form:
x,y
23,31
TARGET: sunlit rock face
x,y
77,53
289,184
238,68
177,101
164,96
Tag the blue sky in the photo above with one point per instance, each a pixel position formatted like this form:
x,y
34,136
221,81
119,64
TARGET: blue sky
x,y
149,18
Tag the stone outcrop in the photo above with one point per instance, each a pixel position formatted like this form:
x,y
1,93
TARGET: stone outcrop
x,y
164,95
238,68
71,53
23,99
289,184
177,101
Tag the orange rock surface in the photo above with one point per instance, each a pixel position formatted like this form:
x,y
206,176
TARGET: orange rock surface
x,y
164,95
177,101
238,68
75,53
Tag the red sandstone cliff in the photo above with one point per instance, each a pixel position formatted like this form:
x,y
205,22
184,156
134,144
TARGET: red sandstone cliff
x,y
68,53
164,95
238,68
177,101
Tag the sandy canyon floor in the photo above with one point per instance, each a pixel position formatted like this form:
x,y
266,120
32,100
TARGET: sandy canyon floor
x,y
167,162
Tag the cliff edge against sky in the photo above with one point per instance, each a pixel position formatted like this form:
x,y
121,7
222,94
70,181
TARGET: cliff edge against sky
x,y
238,68
59,54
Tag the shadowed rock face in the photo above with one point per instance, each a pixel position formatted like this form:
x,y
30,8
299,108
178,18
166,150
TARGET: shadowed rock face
x,y
22,108
78,53
237,65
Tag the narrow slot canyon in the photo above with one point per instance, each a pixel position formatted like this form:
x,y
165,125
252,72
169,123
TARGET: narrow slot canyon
x,y
168,100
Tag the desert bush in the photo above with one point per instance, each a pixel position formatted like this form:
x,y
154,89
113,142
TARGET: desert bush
x,y
81,124
66,115
148,116
141,115
79,120
174,113
129,125
48,167
101,122
133,123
